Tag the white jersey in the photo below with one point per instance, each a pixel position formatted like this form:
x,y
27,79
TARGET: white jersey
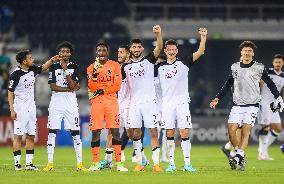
x,y
140,79
174,79
57,76
266,95
123,95
22,83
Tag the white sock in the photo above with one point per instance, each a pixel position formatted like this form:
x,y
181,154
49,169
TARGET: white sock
x,y
143,154
241,153
50,146
29,157
263,139
171,150
271,137
228,145
78,147
164,144
155,155
233,152
186,146
108,156
137,144
17,157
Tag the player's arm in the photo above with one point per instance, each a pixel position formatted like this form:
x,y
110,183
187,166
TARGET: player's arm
x,y
201,49
11,104
225,88
14,81
278,104
48,63
71,83
261,83
52,82
115,87
159,46
270,84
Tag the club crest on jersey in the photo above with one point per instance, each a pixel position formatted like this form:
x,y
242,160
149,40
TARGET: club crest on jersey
x,y
109,72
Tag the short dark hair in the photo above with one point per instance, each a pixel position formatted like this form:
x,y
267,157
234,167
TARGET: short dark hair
x,y
136,40
104,44
248,44
170,42
65,44
278,56
21,55
126,47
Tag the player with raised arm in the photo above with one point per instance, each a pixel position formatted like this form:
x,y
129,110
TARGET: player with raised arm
x,y
244,78
64,82
173,77
140,78
22,105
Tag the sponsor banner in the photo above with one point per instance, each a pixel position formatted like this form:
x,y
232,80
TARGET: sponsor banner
x,y
213,130
206,130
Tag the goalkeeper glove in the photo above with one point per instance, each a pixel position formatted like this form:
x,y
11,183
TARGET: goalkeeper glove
x,y
96,93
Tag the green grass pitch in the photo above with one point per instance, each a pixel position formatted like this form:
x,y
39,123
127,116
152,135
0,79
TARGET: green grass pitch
x,y
209,160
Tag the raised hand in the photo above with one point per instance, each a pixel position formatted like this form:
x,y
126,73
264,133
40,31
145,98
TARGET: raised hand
x,y
157,29
55,58
202,31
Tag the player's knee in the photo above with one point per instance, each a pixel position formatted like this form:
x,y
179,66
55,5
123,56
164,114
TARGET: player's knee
x,y
95,143
231,132
18,137
154,133
170,133
137,133
184,133
114,133
30,137
130,134
263,131
95,135
116,141
278,129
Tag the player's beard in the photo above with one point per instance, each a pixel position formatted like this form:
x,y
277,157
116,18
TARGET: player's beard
x,y
278,69
137,55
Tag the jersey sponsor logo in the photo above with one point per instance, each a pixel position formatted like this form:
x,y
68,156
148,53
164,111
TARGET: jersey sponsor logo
x,y
138,73
171,74
106,78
